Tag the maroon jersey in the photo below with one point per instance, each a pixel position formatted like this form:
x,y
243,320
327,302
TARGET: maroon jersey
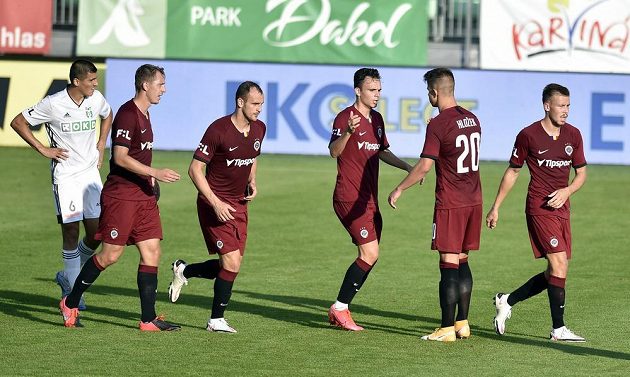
x,y
132,130
357,166
453,139
229,156
549,162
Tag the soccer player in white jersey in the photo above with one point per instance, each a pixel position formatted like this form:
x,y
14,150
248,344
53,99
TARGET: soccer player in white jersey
x,y
70,118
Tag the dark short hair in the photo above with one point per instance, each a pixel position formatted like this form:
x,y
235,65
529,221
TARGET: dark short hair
x,y
552,89
361,74
146,73
432,76
80,68
243,90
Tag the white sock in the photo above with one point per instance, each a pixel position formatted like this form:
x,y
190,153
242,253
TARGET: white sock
x,y
71,265
340,306
85,252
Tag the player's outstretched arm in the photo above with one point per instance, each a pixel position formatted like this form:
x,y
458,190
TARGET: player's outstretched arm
x,y
417,174
122,159
22,127
390,158
507,182
106,126
198,177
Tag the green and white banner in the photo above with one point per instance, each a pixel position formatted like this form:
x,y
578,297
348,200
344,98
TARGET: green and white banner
x,y
122,28
374,32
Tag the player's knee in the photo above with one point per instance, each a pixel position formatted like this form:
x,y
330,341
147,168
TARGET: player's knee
x,y
106,260
232,261
70,235
109,255
91,242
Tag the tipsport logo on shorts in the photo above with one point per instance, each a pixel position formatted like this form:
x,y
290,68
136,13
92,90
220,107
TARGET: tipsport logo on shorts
x,y
85,126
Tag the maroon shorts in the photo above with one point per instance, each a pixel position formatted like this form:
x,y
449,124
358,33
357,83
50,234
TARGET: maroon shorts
x,y
457,230
549,234
222,237
127,222
363,221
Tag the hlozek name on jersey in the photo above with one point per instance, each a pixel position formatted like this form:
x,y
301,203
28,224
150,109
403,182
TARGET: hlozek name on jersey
x,y
368,146
466,122
554,163
238,162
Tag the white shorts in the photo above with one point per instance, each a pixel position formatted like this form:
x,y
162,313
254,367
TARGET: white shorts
x,y
78,198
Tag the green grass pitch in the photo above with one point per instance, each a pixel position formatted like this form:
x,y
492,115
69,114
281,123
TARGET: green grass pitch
x,y
296,256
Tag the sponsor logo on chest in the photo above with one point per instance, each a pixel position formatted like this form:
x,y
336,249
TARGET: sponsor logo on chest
x,y
240,162
368,146
82,126
554,163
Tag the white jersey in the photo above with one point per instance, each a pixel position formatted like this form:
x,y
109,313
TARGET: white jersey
x,y
71,127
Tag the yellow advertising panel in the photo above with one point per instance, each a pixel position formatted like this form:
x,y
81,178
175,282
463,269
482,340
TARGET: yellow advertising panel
x,y
22,85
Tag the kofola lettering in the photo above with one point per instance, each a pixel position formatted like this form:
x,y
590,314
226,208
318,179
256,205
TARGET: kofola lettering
x,y
238,162
354,30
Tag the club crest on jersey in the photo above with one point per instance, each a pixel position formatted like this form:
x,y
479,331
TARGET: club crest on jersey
x,y
363,233
568,149
257,145
114,233
220,244
553,242
89,113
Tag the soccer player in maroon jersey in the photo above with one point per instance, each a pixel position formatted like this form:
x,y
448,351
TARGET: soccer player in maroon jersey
x,y
452,142
224,171
358,142
549,147
130,214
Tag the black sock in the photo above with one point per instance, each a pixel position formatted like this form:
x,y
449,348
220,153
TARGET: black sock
x,y
534,286
89,273
556,293
465,291
206,270
449,293
147,287
222,292
353,280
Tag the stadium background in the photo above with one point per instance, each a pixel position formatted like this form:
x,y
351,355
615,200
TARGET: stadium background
x,y
207,46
